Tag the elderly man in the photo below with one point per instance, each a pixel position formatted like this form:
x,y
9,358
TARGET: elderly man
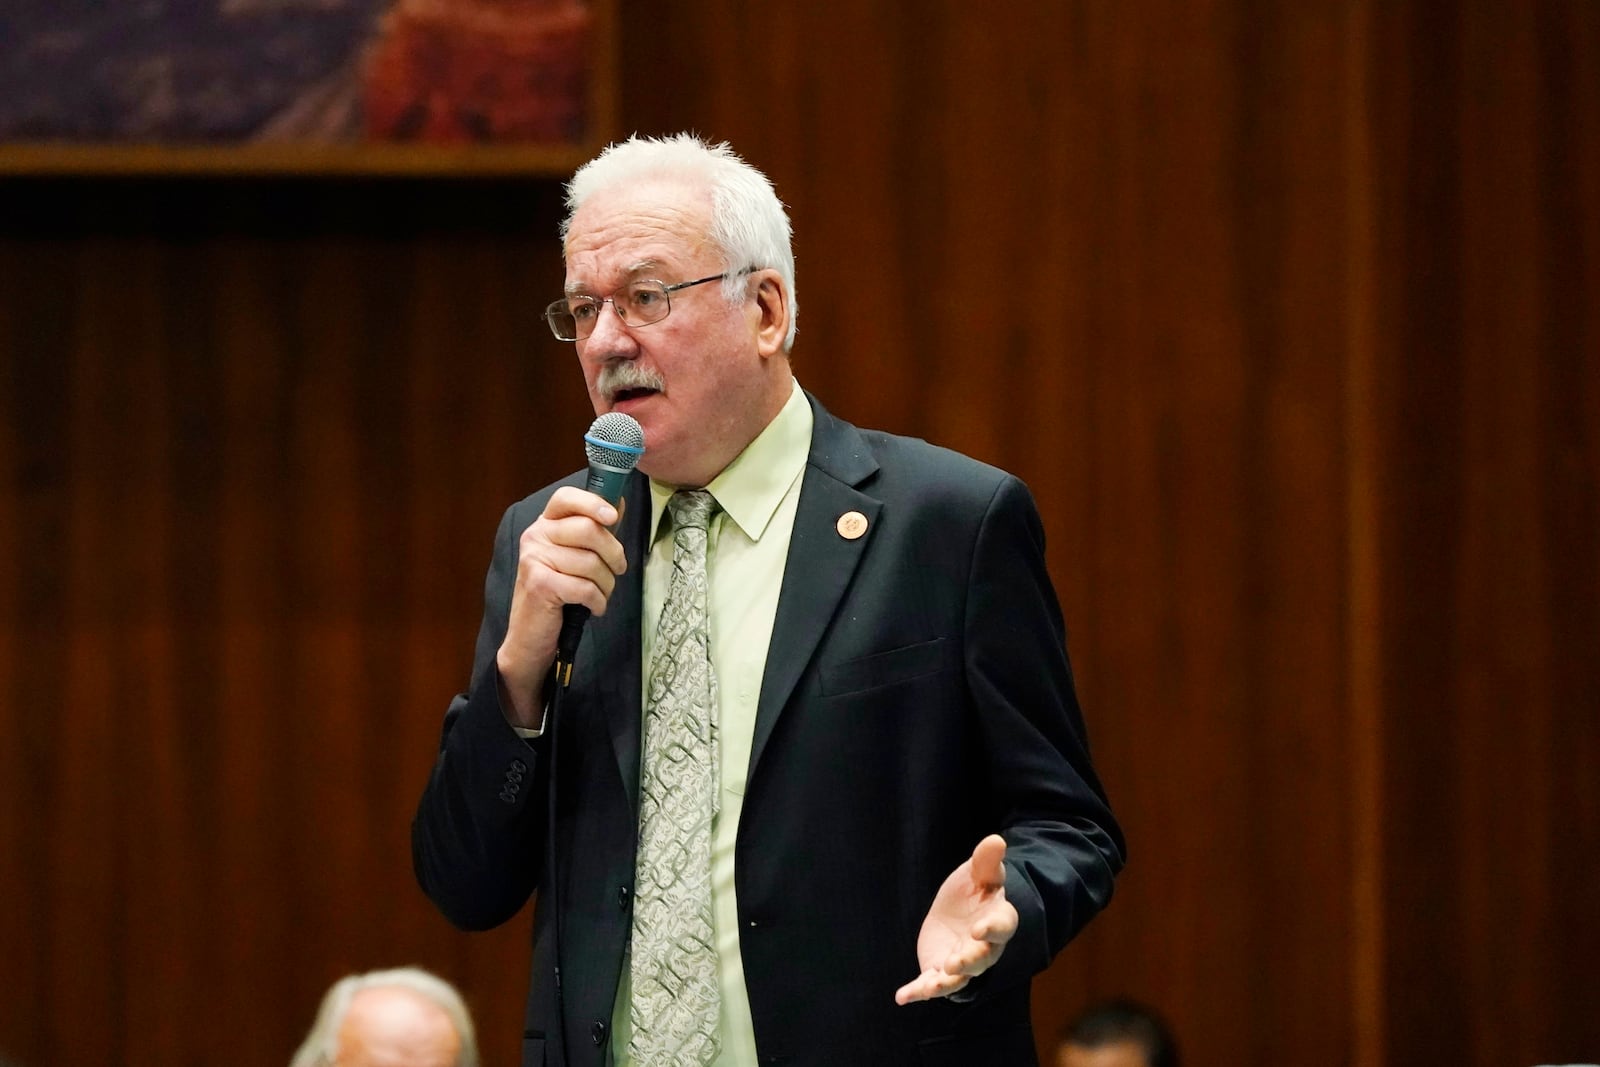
x,y
815,788
404,1017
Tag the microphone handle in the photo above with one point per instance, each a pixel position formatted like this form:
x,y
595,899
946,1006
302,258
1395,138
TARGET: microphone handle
x,y
573,617
607,482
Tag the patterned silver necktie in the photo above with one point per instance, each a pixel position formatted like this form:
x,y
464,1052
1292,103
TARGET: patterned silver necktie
x,y
676,995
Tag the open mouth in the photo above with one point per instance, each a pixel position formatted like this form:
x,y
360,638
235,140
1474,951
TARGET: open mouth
x,y
624,380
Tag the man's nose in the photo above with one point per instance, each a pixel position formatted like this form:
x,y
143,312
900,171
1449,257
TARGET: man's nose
x,y
612,337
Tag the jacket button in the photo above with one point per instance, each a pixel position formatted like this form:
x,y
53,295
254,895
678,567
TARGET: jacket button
x,y
622,896
597,1033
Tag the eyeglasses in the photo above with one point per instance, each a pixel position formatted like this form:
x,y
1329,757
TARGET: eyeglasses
x,y
639,303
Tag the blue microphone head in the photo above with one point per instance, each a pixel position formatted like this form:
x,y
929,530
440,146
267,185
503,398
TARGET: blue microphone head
x,y
615,441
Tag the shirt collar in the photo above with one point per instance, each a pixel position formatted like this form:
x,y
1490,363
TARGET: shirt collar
x,y
750,488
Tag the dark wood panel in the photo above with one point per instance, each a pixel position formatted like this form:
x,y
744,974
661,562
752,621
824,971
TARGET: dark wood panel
x,y
252,463
1486,170
1210,256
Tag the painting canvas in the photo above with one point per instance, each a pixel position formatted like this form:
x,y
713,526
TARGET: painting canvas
x,y
302,84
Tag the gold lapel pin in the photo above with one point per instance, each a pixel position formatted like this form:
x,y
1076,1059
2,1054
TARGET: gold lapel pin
x,y
851,525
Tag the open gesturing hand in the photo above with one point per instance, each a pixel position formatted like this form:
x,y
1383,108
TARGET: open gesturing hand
x,y
967,926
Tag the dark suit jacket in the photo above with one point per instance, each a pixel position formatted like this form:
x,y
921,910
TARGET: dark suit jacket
x,y
917,696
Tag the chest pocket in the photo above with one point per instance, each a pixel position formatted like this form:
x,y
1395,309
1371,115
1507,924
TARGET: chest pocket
x,y
888,668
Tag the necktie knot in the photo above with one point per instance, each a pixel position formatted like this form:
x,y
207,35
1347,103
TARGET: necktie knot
x,y
691,509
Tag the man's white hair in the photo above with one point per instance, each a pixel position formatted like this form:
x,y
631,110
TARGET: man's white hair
x,y
321,1046
748,222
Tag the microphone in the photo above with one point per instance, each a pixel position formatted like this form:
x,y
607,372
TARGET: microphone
x,y
613,444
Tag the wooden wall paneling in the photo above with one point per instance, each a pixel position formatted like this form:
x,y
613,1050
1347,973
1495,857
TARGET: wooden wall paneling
x,y
184,963
162,882
1569,50
1136,147
1488,724
39,510
867,203
1084,402
13,759
259,369
31,641
1214,230
101,557
1500,607
1292,216
1364,405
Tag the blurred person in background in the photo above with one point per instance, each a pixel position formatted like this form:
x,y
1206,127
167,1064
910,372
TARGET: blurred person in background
x,y
1117,1033
403,1017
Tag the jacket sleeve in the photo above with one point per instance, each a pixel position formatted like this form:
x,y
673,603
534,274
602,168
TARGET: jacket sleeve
x,y
1063,845
478,835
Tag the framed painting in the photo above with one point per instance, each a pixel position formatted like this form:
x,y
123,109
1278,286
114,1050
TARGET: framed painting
x,y
468,87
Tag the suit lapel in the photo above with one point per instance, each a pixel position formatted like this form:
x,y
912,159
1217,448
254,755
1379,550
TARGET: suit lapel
x,y
821,562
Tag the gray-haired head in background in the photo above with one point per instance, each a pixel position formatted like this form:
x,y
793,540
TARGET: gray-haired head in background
x,y
404,1007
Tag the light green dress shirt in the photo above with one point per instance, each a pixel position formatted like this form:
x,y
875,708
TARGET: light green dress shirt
x,y
748,546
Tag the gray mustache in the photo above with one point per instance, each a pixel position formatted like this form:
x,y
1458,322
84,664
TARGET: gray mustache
x,y
625,374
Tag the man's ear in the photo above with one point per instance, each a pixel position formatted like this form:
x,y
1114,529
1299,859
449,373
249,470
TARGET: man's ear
x,y
772,307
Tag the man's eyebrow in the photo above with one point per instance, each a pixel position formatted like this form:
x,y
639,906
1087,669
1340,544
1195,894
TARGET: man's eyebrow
x,y
644,267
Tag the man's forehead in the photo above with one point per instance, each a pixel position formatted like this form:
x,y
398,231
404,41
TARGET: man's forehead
x,y
649,267
622,248
652,208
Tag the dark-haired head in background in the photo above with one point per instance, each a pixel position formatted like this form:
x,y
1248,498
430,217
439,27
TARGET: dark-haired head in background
x,y
1118,1033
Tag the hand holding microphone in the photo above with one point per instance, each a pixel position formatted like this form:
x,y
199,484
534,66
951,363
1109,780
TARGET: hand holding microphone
x,y
614,444
567,565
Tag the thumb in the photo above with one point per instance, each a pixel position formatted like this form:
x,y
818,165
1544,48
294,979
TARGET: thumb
x,y
988,866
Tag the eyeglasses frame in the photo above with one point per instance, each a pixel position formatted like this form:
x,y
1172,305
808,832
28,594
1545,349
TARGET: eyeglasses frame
x,y
551,309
